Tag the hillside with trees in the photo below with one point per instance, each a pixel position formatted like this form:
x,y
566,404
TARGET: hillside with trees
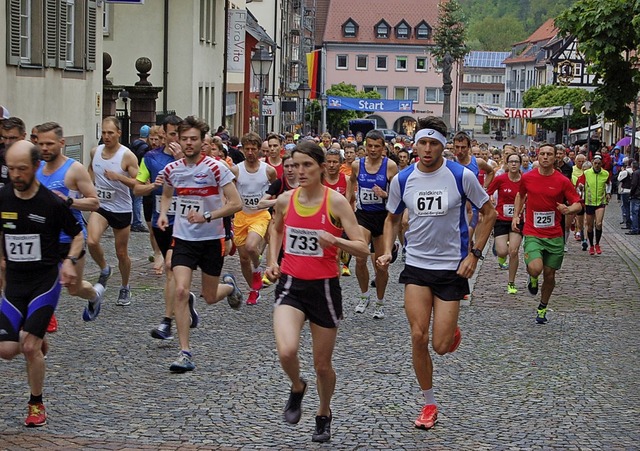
x,y
497,24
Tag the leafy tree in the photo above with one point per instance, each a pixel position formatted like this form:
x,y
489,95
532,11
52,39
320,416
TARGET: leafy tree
x,y
339,119
450,33
496,33
608,34
551,95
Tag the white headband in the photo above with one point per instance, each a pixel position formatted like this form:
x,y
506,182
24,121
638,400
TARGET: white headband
x,y
430,133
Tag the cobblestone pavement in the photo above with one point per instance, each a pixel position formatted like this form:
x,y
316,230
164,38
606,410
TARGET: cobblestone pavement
x,y
572,383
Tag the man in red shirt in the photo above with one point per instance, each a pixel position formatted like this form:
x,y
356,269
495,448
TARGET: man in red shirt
x,y
546,192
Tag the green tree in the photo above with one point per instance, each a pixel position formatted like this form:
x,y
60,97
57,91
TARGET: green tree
x,y
496,33
339,119
608,35
450,34
550,95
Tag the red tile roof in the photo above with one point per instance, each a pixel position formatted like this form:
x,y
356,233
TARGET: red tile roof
x,y
367,14
544,32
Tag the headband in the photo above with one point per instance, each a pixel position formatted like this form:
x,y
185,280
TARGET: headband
x,y
430,133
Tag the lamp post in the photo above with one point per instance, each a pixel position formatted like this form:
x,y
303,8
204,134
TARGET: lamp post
x,y
124,96
323,105
304,92
587,107
567,110
261,62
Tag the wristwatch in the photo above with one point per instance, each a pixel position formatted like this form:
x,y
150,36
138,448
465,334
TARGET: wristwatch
x,y
69,201
207,216
74,260
477,253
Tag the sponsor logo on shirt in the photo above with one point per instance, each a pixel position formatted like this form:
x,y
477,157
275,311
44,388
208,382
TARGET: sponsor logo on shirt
x,y
36,218
10,215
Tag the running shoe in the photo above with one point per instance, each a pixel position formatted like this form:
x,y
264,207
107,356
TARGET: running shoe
x,y
592,250
511,288
36,416
578,236
293,408
265,281
104,276
394,251
345,271
566,248
254,297
457,338
584,245
378,311
373,283
195,318
428,417
323,429
363,304
404,255
256,280
235,298
532,285
233,250
182,364
541,315
124,298
53,325
598,249
162,332
92,310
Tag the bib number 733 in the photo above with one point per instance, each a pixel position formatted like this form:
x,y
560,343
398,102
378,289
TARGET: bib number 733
x,y
303,242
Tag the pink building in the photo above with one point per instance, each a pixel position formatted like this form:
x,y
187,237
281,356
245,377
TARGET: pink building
x,y
383,46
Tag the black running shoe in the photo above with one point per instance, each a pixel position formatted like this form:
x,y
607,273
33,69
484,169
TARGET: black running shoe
x,y
293,408
104,276
323,429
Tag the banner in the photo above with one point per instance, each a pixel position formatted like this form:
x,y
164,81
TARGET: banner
x,y
377,105
520,113
236,34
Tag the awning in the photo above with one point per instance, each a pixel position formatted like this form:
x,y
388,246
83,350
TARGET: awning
x,y
594,127
255,30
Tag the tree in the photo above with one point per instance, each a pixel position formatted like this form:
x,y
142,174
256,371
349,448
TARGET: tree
x,y
496,33
450,35
608,35
339,119
551,95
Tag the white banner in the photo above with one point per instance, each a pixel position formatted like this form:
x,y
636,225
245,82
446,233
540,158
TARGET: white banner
x,y
267,108
519,113
236,40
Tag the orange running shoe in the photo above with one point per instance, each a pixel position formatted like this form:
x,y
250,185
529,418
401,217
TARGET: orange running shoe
x,y
457,338
53,325
428,417
37,416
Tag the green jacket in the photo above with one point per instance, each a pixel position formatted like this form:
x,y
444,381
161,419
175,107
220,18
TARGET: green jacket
x,y
596,187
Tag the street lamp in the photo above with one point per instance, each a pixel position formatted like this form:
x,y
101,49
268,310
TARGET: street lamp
x,y
304,92
567,110
124,96
587,108
261,62
323,105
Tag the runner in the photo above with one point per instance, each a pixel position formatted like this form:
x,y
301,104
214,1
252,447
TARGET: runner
x,y
439,259
337,181
199,183
597,193
273,157
308,223
31,221
546,191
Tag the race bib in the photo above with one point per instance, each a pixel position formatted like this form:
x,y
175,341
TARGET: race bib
x,y
23,248
507,210
251,200
105,194
303,242
433,202
185,205
369,197
544,219
172,205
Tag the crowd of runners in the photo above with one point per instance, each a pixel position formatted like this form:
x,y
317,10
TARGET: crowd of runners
x,y
295,210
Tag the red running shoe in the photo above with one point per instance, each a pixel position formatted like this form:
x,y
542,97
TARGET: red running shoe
x,y
36,417
256,280
457,338
592,250
428,417
598,250
254,297
53,325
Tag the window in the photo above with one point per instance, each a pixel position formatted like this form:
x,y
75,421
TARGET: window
x,y
423,30
401,63
480,97
69,22
498,79
207,21
106,17
464,98
403,30
361,62
342,62
433,95
350,29
382,90
381,62
382,30
475,78
464,118
479,119
421,64
495,99
406,93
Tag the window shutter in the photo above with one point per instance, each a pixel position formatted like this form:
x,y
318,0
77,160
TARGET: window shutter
x,y
51,33
62,35
13,32
91,29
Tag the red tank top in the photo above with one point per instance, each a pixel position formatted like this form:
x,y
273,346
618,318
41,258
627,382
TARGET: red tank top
x,y
340,186
279,169
303,257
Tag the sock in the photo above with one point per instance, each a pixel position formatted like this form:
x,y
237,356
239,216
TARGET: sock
x,y
187,353
590,236
365,294
542,306
598,235
105,270
33,399
429,397
167,320
502,260
380,302
126,287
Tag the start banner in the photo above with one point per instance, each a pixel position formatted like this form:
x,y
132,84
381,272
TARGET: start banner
x,y
378,105
520,113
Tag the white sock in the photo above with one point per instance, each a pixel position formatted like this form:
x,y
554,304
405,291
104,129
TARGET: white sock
x,y
380,302
366,294
429,397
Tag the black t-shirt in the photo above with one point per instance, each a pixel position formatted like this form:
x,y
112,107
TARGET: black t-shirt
x,y
31,229
236,156
567,170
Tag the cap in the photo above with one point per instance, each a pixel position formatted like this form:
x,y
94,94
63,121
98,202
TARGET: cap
x,y
289,147
4,113
144,131
397,146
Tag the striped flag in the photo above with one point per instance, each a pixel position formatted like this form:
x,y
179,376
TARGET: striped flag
x,y
314,67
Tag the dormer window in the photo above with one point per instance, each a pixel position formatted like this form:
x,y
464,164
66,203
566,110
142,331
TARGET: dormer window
x,y
403,30
350,29
423,30
382,30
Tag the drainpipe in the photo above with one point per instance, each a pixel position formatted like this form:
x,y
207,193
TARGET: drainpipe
x,y
224,63
165,56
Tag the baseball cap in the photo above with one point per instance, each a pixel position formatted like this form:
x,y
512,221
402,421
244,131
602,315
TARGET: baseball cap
x,y
4,113
144,131
289,147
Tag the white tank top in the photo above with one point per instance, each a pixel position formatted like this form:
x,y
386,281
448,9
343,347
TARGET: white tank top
x,y
114,196
252,186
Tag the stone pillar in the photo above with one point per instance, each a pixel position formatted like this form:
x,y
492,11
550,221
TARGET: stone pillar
x,y
143,99
109,92
447,87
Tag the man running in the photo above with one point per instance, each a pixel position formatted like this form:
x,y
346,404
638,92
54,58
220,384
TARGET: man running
x,y
597,194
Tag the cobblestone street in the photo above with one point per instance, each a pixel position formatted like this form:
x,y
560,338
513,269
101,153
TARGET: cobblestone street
x,y
512,384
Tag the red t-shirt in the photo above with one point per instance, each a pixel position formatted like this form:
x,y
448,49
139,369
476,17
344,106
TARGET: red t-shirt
x,y
507,190
544,192
340,186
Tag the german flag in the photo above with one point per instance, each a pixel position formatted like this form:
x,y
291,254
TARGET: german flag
x,y
314,68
